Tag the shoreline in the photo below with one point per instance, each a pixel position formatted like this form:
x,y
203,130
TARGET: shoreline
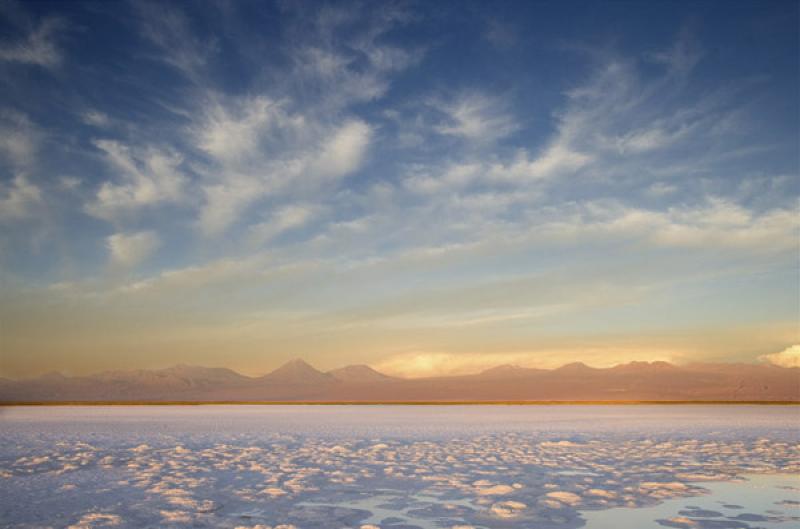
x,y
407,403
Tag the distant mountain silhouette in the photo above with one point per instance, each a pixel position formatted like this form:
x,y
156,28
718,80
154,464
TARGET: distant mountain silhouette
x,y
575,368
508,371
298,381
297,372
359,373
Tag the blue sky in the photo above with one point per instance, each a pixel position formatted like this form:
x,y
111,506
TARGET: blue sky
x,y
424,187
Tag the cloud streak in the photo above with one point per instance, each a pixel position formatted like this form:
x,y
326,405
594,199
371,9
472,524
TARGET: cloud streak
x,y
147,177
38,47
129,249
19,200
789,357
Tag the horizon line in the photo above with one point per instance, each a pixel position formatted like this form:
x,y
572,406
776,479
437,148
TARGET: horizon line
x,y
301,360
11,404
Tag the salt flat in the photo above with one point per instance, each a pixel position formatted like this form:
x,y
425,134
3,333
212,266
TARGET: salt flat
x,y
398,466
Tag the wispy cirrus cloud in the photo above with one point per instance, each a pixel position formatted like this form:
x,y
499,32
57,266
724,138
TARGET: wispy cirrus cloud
x,y
129,249
283,142
284,219
717,223
170,30
263,150
19,199
96,118
476,117
38,46
20,139
146,177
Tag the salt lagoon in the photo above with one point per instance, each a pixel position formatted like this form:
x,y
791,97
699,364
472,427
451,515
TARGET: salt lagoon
x,y
401,467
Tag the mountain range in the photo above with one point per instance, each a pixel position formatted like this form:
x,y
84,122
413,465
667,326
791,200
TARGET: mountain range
x,y
297,381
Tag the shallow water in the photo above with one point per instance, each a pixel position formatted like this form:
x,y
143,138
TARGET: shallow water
x,y
763,500
399,466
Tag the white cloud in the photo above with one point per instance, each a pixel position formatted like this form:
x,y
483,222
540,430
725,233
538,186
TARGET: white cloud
x,y
476,117
255,145
260,149
147,176
69,183
169,29
659,189
19,138
452,177
418,364
130,249
520,172
413,365
96,118
343,152
556,160
609,129
684,54
293,138
717,223
789,357
724,223
226,202
284,219
336,66
233,133
195,278
616,133
618,112
18,199
38,47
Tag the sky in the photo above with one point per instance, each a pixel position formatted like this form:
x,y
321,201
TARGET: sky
x,y
424,187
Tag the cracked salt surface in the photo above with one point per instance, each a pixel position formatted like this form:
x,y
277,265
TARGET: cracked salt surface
x,y
308,467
